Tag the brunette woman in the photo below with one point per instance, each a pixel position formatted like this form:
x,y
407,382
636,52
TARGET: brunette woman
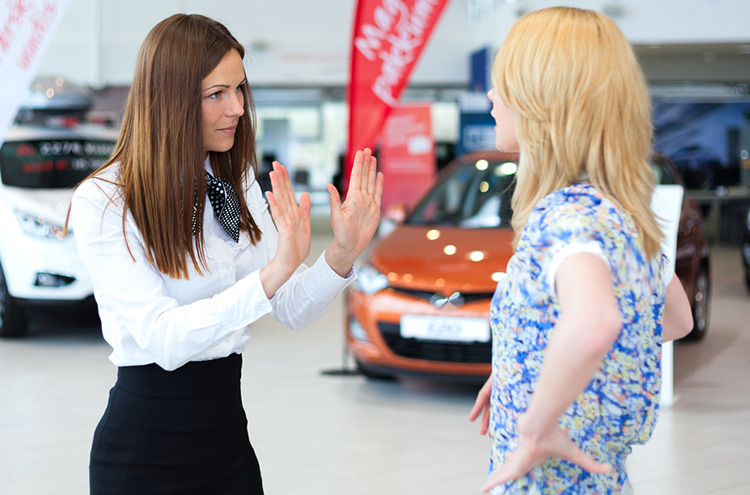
x,y
185,256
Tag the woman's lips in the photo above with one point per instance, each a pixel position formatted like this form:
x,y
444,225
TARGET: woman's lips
x,y
228,130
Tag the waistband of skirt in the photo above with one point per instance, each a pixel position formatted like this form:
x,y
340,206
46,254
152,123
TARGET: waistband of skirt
x,y
194,379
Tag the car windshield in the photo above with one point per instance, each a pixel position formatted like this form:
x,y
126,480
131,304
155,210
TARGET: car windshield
x,y
474,194
47,164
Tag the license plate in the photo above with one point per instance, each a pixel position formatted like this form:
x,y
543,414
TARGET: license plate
x,y
452,329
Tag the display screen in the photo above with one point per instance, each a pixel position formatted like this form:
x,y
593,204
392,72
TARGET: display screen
x,y
46,164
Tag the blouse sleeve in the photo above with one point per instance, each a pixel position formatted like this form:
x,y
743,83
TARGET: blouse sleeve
x,y
567,229
311,290
131,288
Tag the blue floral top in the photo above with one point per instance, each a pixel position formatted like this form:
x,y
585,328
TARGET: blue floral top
x,y
619,406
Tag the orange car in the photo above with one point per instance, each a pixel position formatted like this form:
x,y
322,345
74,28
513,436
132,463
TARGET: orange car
x,y
421,302
422,299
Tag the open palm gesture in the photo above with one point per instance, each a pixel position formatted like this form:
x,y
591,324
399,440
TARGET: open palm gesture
x,y
293,224
355,221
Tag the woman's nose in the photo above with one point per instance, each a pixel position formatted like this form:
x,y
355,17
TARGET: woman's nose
x,y
238,104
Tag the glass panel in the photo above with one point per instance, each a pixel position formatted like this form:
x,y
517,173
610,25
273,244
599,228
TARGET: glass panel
x,y
663,172
474,195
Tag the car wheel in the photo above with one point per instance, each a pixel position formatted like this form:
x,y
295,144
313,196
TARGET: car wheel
x,y
746,263
13,319
372,374
700,305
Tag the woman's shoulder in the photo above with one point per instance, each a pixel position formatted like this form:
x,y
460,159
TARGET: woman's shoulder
x,y
577,199
581,193
104,185
577,207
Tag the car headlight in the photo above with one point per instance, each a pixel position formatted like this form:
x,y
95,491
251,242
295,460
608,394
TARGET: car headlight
x,y
369,279
38,226
357,331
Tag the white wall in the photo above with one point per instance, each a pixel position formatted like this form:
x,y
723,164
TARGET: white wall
x,y
289,42
306,42
642,21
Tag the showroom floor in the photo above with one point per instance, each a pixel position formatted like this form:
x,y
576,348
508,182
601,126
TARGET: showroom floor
x,y
322,433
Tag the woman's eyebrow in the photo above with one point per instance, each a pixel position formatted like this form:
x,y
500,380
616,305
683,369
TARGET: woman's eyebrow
x,y
224,85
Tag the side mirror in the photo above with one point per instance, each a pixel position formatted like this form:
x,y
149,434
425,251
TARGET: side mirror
x,y
396,213
393,216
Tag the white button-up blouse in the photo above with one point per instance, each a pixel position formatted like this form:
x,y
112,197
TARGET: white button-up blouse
x,y
149,317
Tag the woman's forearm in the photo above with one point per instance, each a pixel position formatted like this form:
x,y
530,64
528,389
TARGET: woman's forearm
x,y
571,360
678,318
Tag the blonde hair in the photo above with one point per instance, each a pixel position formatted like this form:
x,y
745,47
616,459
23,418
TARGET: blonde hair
x,y
582,107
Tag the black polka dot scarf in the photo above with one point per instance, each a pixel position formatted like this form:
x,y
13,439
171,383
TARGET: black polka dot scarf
x,y
225,203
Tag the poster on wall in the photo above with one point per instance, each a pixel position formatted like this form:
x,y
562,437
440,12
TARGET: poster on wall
x,y
477,126
407,154
26,27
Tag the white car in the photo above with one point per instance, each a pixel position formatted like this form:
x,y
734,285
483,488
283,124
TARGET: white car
x,y
39,169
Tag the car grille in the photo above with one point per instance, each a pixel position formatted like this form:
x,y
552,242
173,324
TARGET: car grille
x,y
434,350
426,295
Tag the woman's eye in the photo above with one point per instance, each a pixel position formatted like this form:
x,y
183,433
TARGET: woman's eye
x,y
215,96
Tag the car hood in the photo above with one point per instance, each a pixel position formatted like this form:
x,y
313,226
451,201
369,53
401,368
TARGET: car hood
x,y
51,204
411,260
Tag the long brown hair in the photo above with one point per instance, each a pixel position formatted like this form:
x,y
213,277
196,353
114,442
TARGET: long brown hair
x,y
582,107
160,149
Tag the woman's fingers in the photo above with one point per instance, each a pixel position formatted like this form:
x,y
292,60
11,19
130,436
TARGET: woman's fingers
x,y
281,186
365,172
274,196
482,406
305,205
374,175
364,176
578,456
482,400
282,194
531,454
479,406
379,180
355,177
371,176
334,198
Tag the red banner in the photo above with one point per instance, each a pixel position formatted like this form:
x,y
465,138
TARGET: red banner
x,y
388,38
26,29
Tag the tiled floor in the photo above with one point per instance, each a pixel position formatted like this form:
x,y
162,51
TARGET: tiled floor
x,y
323,434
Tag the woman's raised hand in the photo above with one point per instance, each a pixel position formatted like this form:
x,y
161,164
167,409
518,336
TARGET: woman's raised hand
x,y
293,224
355,221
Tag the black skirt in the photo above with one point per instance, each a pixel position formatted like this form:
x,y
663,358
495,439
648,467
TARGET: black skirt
x,y
175,432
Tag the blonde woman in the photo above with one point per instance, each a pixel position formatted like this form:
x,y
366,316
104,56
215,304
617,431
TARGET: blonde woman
x,y
589,298
184,256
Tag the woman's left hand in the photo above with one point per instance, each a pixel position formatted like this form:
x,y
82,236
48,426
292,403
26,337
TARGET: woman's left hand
x,y
482,406
534,448
355,221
